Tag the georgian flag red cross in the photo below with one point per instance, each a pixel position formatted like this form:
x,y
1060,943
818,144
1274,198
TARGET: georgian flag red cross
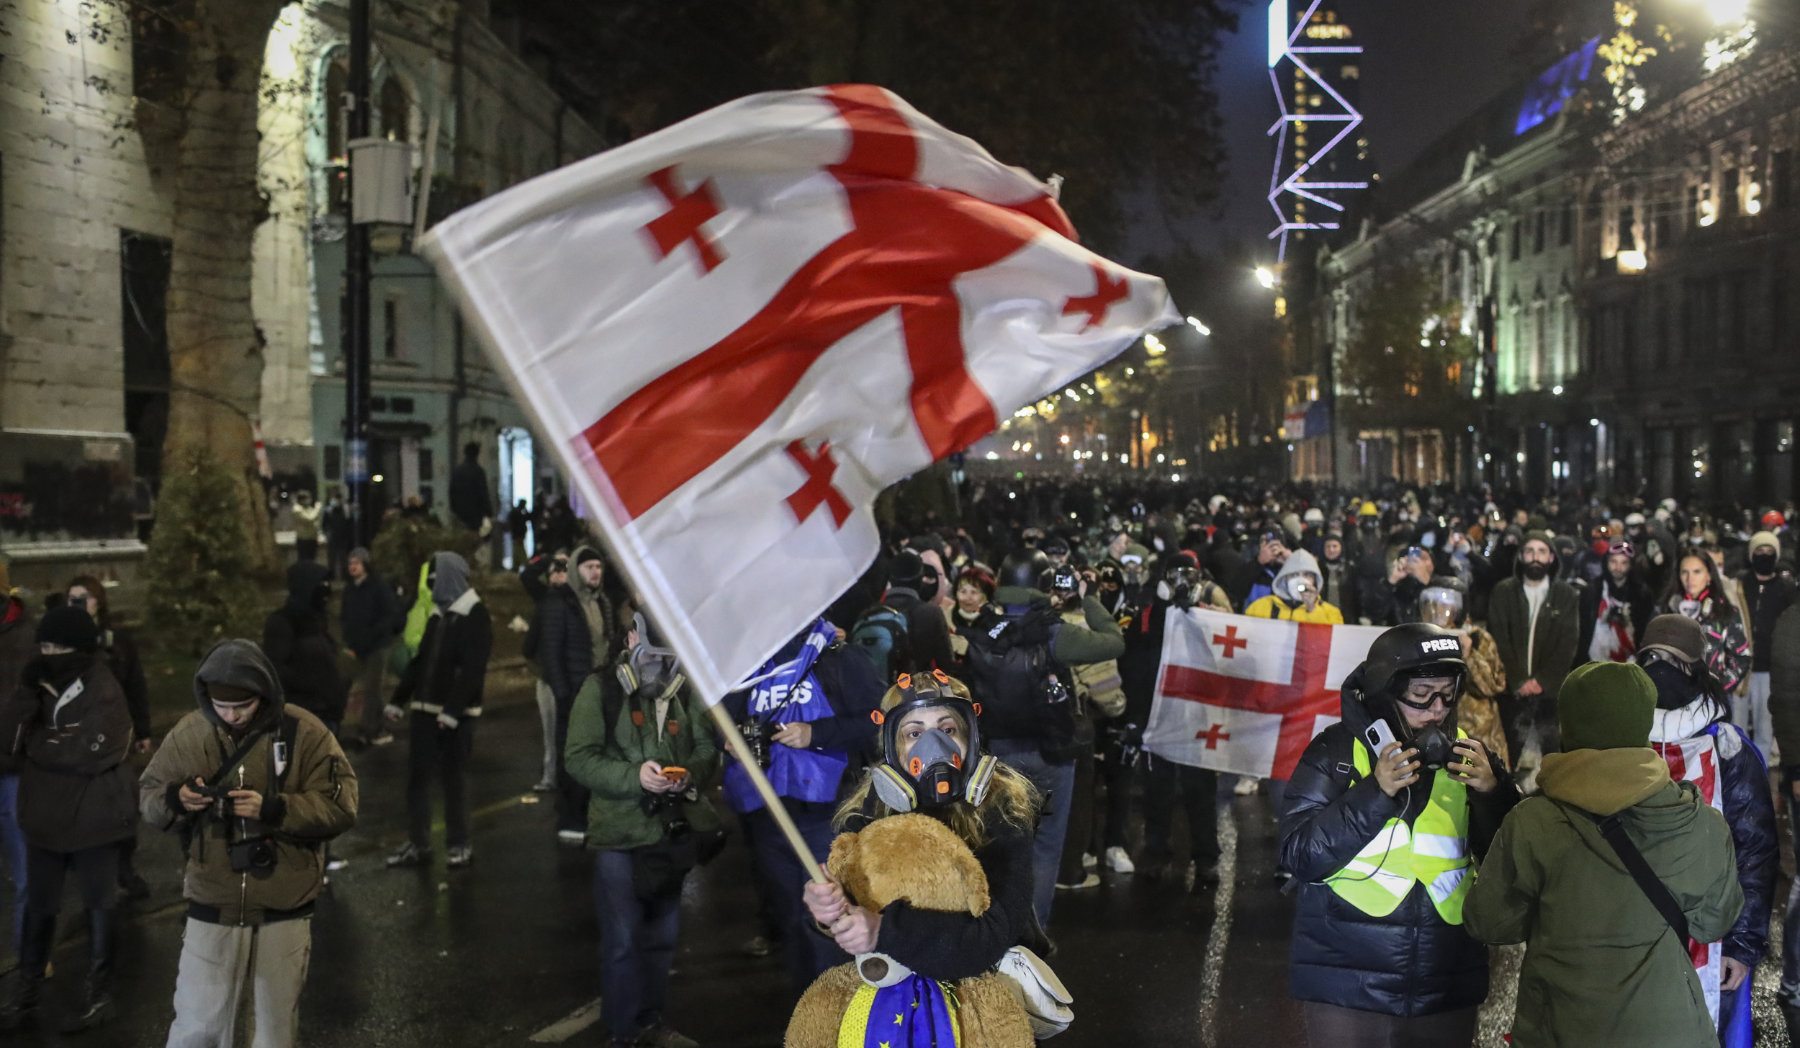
x,y
1246,695
737,331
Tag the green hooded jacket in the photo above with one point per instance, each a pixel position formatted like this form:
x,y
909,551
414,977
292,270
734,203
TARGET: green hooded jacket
x,y
1602,967
616,821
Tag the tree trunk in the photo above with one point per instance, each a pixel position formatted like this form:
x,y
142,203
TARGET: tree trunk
x,y
215,347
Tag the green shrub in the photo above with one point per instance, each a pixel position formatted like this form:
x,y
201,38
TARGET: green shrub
x,y
405,542
200,569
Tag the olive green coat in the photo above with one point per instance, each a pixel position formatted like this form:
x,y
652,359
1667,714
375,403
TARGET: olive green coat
x,y
616,819
1602,967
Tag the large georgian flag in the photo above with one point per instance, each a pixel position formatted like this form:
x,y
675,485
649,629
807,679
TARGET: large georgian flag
x,y
737,331
1246,695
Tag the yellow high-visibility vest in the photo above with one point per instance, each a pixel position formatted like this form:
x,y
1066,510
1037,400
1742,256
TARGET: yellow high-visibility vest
x,y
1434,851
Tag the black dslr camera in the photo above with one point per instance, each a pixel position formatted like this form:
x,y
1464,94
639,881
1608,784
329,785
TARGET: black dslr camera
x,y
255,856
756,737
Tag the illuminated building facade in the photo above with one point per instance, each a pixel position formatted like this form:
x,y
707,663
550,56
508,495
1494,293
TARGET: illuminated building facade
x,y
1315,67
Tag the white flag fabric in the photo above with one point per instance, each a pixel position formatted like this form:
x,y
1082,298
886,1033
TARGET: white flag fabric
x,y
737,331
1246,695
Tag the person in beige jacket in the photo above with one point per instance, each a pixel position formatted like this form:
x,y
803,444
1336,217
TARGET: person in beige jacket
x,y
256,788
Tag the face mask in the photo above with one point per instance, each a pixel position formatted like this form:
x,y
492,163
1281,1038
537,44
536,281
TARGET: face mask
x,y
1600,546
1535,570
1763,563
60,669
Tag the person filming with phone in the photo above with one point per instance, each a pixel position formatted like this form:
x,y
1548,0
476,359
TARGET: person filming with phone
x,y
1296,595
1382,821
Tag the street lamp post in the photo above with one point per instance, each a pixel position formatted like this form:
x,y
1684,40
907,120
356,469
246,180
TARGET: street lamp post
x,y
356,294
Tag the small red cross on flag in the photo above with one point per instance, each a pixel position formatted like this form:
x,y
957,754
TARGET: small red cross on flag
x,y
689,316
1246,695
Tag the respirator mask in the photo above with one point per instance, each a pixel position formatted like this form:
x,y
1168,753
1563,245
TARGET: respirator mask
x,y
649,668
1434,741
937,768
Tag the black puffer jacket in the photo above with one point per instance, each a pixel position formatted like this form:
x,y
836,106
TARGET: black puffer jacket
x,y
1410,962
75,789
564,643
18,646
296,641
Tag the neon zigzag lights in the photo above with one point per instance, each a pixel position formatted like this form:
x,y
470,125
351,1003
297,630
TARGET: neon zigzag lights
x,y
1284,43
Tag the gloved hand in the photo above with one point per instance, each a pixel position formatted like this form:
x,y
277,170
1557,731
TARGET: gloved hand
x,y
392,712
446,721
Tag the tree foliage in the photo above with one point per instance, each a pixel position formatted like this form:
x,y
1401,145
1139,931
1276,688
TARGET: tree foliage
x,y
199,565
1115,95
1406,363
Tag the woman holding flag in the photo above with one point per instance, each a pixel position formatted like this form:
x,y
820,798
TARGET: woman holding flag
x,y
1382,818
932,763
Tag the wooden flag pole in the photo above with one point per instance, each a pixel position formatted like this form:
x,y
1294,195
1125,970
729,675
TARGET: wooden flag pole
x,y
734,741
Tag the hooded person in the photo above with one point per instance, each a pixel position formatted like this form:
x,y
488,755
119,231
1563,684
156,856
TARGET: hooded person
x,y
371,621
256,788
1297,594
1603,965
574,639
1691,730
639,743
1534,620
296,639
442,689
1382,821
69,724
913,585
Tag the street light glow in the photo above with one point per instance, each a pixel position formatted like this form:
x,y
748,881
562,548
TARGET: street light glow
x,y
1728,12
1266,277
1194,322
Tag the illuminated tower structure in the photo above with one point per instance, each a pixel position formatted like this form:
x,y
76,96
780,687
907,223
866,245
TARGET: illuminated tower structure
x,y
1320,152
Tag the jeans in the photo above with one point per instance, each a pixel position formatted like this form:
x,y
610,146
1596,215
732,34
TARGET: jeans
x,y
1167,784
96,877
546,704
1751,713
217,960
1079,838
1116,775
439,752
12,850
783,881
637,947
1057,784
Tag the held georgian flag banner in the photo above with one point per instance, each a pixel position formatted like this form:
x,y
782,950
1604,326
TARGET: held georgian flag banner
x,y
1246,695
737,331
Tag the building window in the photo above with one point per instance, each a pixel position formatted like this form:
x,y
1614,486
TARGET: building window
x,y
1781,179
158,52
1728,202
1351,72
390,329
1540,229
1518,238
395,110
334,462
1565,234
331,108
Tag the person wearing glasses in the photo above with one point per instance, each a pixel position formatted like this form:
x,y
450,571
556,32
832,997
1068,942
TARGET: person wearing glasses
x,y
1381,824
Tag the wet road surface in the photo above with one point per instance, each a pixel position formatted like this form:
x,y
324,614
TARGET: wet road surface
x,y
504,953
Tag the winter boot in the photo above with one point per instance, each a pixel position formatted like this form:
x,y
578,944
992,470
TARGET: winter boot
x,y
103,946
36,935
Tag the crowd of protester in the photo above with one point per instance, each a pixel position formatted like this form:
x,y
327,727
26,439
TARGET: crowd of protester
x,y
1547,665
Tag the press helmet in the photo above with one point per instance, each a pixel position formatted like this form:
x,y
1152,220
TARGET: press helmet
x,y
1417,649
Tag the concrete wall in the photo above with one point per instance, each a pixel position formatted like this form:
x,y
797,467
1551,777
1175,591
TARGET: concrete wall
x,y
74,176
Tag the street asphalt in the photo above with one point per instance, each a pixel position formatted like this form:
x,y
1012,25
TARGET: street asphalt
x,y
504,953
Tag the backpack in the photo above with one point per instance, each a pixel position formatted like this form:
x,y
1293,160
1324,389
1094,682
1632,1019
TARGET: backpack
x,y
880,633
1012,675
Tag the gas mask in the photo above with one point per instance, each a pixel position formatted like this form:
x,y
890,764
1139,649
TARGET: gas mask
x,y
649,669
1183,587
1441,606
935,769
1434,742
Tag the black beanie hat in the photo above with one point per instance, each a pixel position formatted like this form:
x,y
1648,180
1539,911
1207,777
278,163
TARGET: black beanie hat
x,y
586,554
69,627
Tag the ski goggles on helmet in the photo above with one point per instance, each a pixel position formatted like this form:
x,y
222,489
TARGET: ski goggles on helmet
x,y
936,768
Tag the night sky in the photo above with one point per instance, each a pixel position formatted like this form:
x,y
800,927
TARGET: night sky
x,y
1427,63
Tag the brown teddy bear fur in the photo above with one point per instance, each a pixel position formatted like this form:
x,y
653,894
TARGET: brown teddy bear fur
x,y
919,859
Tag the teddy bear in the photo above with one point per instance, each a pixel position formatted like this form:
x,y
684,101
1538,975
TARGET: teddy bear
x,y
919,859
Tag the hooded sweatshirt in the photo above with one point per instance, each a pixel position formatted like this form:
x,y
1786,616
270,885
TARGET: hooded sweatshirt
x,y
447,678
297,643
1286,602
306,802
1602,966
